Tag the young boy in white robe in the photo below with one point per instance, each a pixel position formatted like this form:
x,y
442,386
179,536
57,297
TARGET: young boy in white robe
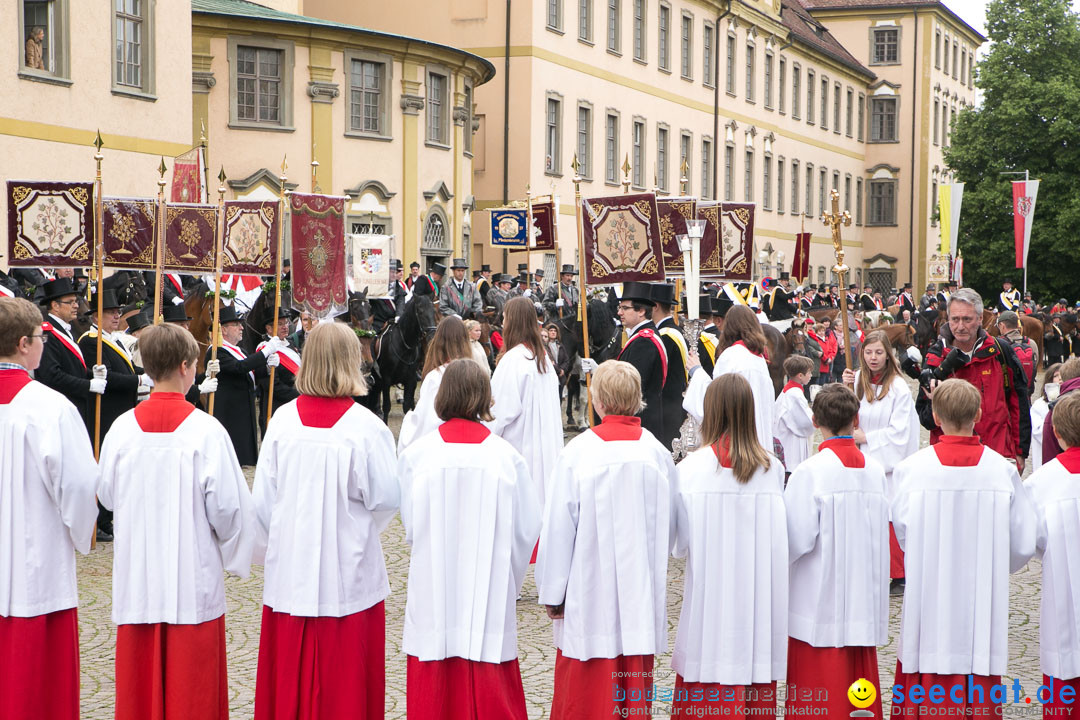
x,y
471,517
183,515
47,479
1055,490
601,569
794,423
838,544
325,488
965,523
731,646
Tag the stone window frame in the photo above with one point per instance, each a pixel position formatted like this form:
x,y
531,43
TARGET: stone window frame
x,y
662,166
885,222
613,178
148,85
585,22
811,97
59,44
707,189
781,184
686,46
613,27
640,31
896,119
385,96
837,93
469,98
447,104
585,160
796,187
796,90
874,42
686,138
708,54
663,36
767,71
553,170
288,65
638,150
556,6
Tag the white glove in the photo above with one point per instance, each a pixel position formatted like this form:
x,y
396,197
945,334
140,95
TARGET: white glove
x,y
527,293
178,300
915,355
100,372
213,367
277,343
587,365
145,381
538,306
559,303
273,360
97,386
269,349
208,386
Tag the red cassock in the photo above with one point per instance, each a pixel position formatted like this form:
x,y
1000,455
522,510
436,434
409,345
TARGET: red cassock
x,y
812,670
39,666
458,689
1056,708
601,687
896,555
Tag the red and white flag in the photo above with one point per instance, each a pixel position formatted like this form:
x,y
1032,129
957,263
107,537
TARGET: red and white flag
x,y
1024,195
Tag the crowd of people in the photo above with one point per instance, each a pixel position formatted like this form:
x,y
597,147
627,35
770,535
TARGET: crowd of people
x,y
791,555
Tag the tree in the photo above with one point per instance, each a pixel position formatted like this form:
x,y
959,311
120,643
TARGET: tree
x,y
1029,119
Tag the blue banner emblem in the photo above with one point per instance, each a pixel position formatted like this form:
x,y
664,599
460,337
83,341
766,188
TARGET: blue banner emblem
x,y
508,228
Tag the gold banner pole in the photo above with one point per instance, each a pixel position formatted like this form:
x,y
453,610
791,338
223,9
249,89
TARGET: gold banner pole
x,y
219,232
582,309
834,220
99,270
159,255
277,276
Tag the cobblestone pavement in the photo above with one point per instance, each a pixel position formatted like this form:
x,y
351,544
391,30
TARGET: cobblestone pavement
x,y
536,653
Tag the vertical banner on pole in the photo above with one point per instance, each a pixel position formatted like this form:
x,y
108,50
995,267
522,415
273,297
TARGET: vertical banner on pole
x,y
1024,196
800,264
950,197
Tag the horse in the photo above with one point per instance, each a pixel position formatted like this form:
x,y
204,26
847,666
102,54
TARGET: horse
x,y
129,286
399,351
820,314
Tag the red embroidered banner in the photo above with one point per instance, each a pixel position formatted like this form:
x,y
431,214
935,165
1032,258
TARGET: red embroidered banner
x,y
250,242
50,224
712,259
318,254
800,264
188,185
622,239
737,239
674,212
189,237
545,220
129,228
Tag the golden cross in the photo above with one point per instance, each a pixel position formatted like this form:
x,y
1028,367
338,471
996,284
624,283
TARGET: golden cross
x,y
835,220
626,174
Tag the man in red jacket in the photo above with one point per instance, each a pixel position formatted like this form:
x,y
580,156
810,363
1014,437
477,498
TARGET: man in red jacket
x,y
965,351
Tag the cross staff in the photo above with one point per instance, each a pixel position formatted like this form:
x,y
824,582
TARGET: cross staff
x,y
159,256
277,277
219,240
99,271
834,220
583,311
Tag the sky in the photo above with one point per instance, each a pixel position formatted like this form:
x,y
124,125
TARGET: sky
x,y
973,12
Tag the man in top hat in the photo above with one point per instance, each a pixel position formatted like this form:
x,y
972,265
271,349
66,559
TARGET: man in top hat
x,y
484,285
130,337
459,296
429,284
499,294
807,300
63,366
561,300
538,282
946,291
399,291
522,282
31,280
821,298
905,302
671,397
928,296
779,304
414,274
645,351
853,297
1009,299
176,314
288,366
867,301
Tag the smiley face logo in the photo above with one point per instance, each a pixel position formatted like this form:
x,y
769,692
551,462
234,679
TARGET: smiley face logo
x,y
862,693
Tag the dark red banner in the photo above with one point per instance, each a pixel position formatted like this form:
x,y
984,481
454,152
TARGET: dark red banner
x,y
800,264
50,224
251,235
318,254
545,218
674,212
129,228
622,239
189,237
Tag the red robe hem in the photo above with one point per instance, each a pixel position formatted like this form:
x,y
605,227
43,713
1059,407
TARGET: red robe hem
x,y
818,678
39,666
1055,708
460,689
602,687
896,556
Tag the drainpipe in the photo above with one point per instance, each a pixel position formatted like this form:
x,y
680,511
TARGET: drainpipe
x,y
716,104
506,124
914,117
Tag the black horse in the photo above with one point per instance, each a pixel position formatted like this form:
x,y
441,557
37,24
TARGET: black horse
x,y
130,287
400,352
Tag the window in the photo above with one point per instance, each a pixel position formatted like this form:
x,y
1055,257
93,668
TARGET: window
x,y
707,189
883,119
933,203
810,96
367,108
766,182
554,15
955,50
783,84
937,49
129,43
662,158
614,31
836,110
862,115
584,27
858,201
43,53
823,191
780,189
751,54
664,38
836,181
768,79
824,103
357,227
971,70
436,109
794,187
639,30
686,149
945,125
729,170
707,55
552,133
847,193
809,187
963,65
882,202
886,47
611,149
584,141
937,117
848,109
946,67
258,85
748,177
729,84
639,154
687,56
468,131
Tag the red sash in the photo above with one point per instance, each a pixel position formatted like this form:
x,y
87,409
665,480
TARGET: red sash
x,y
288,357
65,341
5,292
175,280
236,353
650,335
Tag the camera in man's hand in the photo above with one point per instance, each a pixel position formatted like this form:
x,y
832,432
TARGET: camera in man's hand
x,y
955,360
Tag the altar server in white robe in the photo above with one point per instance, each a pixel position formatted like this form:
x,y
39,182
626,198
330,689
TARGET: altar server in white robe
x,y
525,388
794,423
964,522
1055,490
451,341
744,353
838,545
1040,409
888,422
47,512
183,515
325,487
731,646
471,517
602,565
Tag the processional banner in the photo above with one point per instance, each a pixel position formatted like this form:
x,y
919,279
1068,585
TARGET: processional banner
x,y
130,228
250,242
188,183
318,254
369,263
728,243
622,240
50,224
674,212
189,237
545,228
509,228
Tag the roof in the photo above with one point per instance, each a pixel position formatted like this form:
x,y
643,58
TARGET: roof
x,y
809,31
251,10
887,4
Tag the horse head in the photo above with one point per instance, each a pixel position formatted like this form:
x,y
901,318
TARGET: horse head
x,y
796,337
603,330
360,310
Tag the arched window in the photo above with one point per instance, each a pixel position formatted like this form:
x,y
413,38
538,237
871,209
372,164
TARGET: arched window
x,y
435,241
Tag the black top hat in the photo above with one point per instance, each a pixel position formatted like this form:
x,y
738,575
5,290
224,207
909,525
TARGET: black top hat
x,y
175,314
283,312
785,275
907,286
638,292
502,278
228,314
459,264
395,265
953,283
438,269
475,274
721,305
55,289
853,286
108,302
568,269
485,268
664,294
931,286
137,322
523,267
1006,282
812,286
414,264
539,273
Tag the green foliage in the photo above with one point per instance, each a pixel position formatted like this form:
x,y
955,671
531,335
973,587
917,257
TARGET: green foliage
x,y
1029,119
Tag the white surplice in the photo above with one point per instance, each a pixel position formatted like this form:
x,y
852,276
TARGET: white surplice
x,y
733,624
838,545
527,411
891,425
608,528
322,496
422,419
471,516
47,510
1056,494
793,426
183,514
1039,410
737,359
963,530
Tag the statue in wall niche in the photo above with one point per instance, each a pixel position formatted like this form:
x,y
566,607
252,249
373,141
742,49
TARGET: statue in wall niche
x,y
35,59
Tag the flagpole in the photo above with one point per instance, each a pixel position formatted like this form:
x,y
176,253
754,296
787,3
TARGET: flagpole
x,y
99,269
205,162
583,309
1026,246
219,232
277,283
159,260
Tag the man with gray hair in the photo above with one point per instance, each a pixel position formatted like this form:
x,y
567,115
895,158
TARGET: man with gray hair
x,y
965,350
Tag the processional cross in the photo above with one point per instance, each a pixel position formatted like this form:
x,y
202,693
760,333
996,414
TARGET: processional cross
x,y
835,220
